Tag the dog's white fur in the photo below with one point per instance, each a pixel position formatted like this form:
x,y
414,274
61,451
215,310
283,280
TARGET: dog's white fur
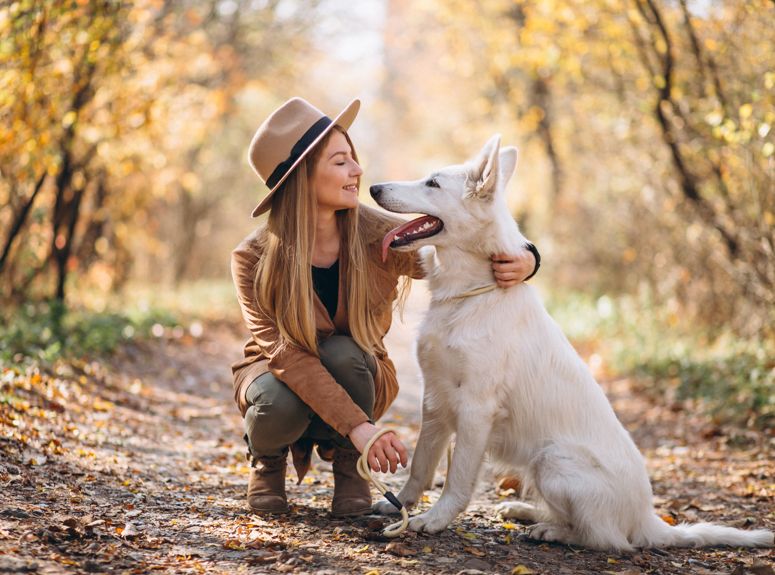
x,y
500,374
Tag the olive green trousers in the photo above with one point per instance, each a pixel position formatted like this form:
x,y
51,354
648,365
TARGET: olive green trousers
x,y
276,417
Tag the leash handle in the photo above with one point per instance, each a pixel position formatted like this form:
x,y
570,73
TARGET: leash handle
x,y
394,529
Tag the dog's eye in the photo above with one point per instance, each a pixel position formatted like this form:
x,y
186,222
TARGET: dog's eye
x,y
432,183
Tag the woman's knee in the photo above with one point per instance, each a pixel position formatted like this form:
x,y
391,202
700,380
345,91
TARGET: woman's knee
x,y
276,416
340,353
351,367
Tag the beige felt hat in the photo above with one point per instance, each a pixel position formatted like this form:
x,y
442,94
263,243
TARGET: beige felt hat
x,y
286,137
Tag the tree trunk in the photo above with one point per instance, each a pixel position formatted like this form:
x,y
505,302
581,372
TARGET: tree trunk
x,y
19,220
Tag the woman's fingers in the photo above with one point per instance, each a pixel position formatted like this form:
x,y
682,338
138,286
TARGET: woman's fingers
x,y
509,270
378,452
399,447
386,453
392,456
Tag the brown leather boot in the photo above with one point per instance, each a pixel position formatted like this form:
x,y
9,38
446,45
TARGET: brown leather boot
x,y
266,486
352,495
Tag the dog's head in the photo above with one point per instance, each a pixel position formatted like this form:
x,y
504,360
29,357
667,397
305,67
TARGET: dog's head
x,y
459,201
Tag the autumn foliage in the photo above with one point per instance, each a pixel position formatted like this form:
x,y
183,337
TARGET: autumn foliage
x,y
644,127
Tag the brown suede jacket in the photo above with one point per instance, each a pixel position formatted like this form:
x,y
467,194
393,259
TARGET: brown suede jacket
x,y
302,371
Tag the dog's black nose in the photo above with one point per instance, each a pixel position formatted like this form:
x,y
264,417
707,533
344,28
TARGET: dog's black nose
x,y
375,191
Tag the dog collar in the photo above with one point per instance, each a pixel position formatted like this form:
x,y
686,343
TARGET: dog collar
x,y
471,292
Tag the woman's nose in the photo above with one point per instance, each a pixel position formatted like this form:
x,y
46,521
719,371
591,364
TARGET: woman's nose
x,y
357,170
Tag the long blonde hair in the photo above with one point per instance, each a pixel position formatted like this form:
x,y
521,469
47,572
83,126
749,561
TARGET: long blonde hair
x,y
283,280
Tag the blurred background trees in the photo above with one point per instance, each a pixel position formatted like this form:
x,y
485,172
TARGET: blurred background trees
x,y
644,127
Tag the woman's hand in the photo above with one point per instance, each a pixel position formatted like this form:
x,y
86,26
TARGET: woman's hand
x,y
510,270
385,453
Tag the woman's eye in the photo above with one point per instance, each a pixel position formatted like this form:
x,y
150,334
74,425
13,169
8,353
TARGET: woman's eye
x,y
340,163
432,183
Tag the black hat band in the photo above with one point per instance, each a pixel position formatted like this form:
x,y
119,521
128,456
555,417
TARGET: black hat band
x,y
298,149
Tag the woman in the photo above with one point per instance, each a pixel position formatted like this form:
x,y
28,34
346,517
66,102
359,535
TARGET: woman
x,y
318,301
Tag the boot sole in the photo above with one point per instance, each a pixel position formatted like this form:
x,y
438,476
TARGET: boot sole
x,y
259,511
355,513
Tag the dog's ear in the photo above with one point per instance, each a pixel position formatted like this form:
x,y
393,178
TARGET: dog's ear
x,y
508,162
483,175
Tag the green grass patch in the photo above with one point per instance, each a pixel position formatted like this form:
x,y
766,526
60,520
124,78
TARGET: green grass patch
x,y
46,331
732,378
96,324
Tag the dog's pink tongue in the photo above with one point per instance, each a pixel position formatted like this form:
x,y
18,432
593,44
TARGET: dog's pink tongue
x,y
386,241
390,236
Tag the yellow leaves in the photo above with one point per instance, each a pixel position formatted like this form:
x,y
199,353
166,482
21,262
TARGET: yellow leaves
x,y
103,405
669,519
532,118
509,525
714,118
363,549
522,570
69,119
234,544
190,182
745,111
768,149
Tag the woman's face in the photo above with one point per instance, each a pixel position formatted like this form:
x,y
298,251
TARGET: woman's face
x,y
336,175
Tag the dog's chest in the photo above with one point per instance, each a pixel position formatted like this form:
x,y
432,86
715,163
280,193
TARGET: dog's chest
x,y
454,347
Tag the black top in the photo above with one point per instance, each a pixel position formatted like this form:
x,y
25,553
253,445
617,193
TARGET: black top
x,y
325,281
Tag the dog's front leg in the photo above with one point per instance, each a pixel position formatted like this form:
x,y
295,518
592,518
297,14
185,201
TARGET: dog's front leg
x,y
434,438
472,435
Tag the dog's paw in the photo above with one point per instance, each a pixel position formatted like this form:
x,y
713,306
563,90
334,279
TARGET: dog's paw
x,y
551,532
384,507
518,510
427,522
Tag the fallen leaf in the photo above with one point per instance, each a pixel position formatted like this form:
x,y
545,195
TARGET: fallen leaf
x,y
466,534
522,570
669,519
510,482
399,549
129,530
234,544
474,551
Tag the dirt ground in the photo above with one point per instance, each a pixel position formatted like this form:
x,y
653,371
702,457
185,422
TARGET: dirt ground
x,y
136,465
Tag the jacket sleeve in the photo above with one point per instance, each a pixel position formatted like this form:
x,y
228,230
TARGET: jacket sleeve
x,y
299,369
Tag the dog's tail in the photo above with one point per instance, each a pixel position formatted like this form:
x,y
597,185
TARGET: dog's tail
x,y
657,533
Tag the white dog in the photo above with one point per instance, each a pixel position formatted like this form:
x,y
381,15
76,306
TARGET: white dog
x,y
501,375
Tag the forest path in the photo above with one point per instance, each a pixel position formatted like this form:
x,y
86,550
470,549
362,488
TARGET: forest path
x,y
136,465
